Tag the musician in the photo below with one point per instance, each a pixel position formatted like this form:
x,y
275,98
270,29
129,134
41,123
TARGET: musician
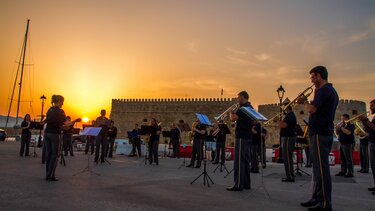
x,y
199,136
288,139
25,135
67,139
370,127
322,114
101,138
175,140
112,134
364,154
136,141
242,144
345,134
55,119
154,142
220,144
255,147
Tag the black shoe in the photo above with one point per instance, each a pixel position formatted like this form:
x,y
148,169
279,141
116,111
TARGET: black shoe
x,y
364,172
71,155
27,155
247,188
319,208
349,175
309,203
157,164
373,193
55,179
360,171
197,166
371,189
215,162
254,171
287,180
233,189
190,165
340,174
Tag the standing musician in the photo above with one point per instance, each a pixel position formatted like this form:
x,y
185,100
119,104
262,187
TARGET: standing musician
x,y
101,139
136,142
322,114
55,119
154,141
345,133
175,140
112,134
221,137
242,144
370,127
255,147
25,135
67,139
199,136
288,139
263,148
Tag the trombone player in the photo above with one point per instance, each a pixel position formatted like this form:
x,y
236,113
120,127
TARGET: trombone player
x,y
370,126
345,133
322,114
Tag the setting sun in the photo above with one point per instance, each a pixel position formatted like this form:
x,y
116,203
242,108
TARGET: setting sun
x,y
85,119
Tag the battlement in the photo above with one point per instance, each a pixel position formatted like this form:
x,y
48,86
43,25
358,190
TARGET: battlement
x,y
175,100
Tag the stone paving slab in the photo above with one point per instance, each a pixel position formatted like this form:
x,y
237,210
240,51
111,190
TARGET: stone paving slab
x,y
128,184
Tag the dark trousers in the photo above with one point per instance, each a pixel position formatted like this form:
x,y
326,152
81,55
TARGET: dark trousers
x,y
109,150
153,151
90,143
288,147
67,144
220,152
320,148
25,142
53,144
364,156
241,163
372,159
254,162
44,152
263,153
197,152
176,148
100,142
308,158
137,146
346,156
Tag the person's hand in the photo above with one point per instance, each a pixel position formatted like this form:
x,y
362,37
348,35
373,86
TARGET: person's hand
x,y
301,99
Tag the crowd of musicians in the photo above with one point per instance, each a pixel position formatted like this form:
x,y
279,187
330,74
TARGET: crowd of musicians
x,y
249,149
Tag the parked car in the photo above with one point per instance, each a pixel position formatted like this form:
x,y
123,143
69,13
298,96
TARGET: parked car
x,y
3,135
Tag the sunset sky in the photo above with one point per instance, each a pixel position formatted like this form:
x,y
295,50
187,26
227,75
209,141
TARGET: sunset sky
x,y
93,51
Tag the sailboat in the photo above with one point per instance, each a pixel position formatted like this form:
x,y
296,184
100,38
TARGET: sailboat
x,y
20,76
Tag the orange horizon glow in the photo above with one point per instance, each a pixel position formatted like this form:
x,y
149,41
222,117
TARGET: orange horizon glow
x,y
94,51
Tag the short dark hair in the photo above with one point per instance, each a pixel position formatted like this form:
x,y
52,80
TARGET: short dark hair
x,y
372,101
244,94
321,70
346,116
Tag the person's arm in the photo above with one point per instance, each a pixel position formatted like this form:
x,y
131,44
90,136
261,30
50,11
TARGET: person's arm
x,y
233,117
27,126
346,131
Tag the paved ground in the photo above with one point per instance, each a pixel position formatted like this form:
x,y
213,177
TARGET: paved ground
x,y
128,184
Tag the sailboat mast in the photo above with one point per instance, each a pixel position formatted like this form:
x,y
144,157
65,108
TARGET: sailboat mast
x,y
22,67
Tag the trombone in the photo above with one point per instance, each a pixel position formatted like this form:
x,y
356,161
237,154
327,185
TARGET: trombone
x,y
359,130
302,95
223,115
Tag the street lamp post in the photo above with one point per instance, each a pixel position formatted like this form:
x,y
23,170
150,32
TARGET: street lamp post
x,y
280,93
42,100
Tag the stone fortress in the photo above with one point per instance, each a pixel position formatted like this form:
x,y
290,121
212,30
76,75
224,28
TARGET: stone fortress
x,y
127,112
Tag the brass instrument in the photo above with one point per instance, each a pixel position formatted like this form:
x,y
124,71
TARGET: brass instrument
x,y
358,131
302,95
216,131
223,115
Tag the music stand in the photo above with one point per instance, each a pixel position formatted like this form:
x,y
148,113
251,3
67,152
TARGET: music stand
x,y
298,170
89,131
203,119
184,161
254,115
146,130
184,127
224,128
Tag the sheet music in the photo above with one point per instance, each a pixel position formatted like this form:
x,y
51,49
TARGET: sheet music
x,y
91,131
253,114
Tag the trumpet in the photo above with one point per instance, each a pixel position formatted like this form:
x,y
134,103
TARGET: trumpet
x,y
301,96
223,115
